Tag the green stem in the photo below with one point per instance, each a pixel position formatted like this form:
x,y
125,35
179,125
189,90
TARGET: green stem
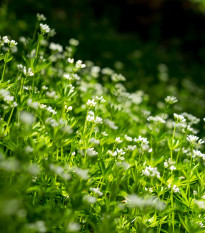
x,y
61,154
7,127
37,50
172,203
2,77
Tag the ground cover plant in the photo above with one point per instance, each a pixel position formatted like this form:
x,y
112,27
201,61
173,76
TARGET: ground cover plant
x,y
79,153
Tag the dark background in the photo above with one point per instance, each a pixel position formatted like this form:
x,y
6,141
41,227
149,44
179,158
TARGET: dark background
x,y
141,34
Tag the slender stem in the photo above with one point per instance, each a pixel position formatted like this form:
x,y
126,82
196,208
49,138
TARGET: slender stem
x,y
61,154
7,127
33,85
172,203
37,50
22,82
2,77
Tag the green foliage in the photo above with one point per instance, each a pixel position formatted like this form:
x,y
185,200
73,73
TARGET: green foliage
x,y
82,155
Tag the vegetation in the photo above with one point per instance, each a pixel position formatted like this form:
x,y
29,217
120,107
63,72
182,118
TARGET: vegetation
x,y
79,153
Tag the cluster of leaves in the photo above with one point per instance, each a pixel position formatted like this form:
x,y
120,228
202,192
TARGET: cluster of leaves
x,y
78,155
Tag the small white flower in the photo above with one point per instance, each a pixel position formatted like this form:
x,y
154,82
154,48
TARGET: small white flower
x,y
74,42
176,189
120,151
67,76
94,141
200,203
104,134
27,118
101,99
128,138
13,43
70,60
90,199
79,64
194,139
151,171
90,116
156,119
44,28
73,227
56,47
195,193
117,140
69,108
91,152
96,191
171,100
179,118
5,39
91,103
40,17
98,120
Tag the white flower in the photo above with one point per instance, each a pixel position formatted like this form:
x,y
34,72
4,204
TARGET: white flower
x,y
82,173
131,147
74,42
94,141
5,39
200,203
51,94
172,168
156,119
179,118
142,140
68,108
90,199
101,99
194,192
117,140
176,189
91,103
13,43
73,227
32,104
67,76
104,134
120,151
112,153
27,117
194,139
29,72
24,70
169,164
96,191
151,171
192,119
79,64
40,17
56,47
171,99
134,201
49,109
98,120
128,138
111,124
117,77
70,60
91,152
197,153
90,116
44,28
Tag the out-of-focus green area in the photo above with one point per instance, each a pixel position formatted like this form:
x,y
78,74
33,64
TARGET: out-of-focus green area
x,y
158,45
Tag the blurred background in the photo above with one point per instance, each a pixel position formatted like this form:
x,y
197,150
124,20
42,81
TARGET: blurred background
x,y
158,45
